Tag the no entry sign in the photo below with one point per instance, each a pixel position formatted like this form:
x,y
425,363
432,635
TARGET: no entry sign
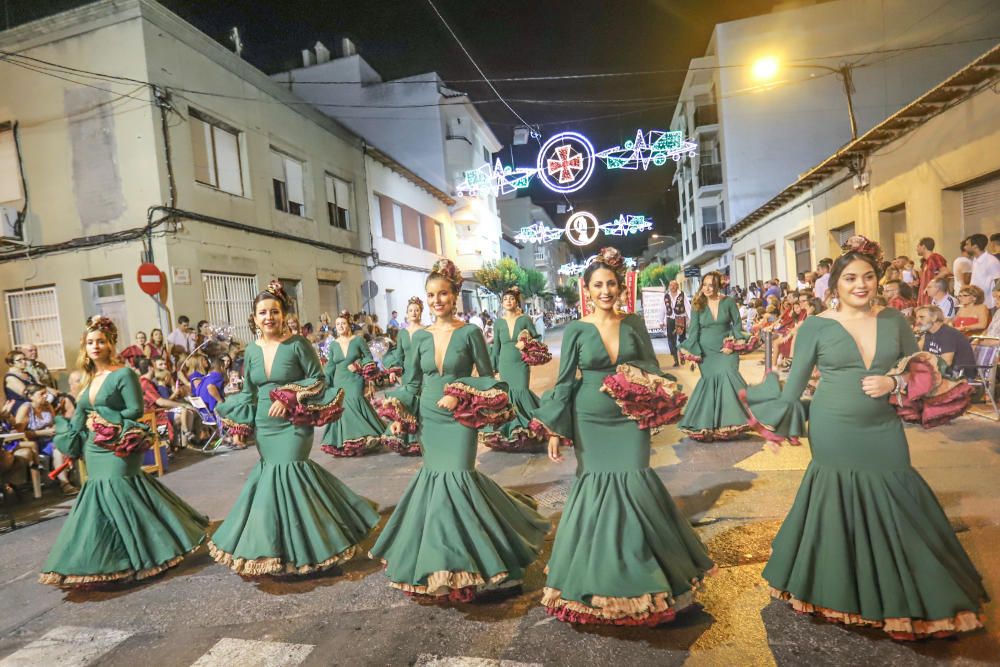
x,y
150,279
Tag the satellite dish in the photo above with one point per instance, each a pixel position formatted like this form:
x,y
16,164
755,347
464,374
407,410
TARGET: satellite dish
x,y
369,290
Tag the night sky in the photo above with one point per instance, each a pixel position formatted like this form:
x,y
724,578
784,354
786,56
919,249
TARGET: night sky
x,y
512,39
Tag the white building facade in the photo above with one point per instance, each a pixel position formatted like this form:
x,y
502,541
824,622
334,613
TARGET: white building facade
x,y
519,212
755,137
930,170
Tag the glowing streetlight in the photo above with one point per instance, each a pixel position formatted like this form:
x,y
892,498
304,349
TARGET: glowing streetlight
x,y
765,69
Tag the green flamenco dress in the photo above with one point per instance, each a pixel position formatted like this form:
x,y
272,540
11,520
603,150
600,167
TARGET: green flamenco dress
x,y
359,430
455,533
404,444
292,517
515,435
866,542
623,552
125,525
714,411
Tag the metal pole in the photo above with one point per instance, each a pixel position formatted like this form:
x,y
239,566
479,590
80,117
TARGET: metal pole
x,y
768,360
847,78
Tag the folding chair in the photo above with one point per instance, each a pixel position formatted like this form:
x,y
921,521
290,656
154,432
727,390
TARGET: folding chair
x,y
216,443
149,419
987,352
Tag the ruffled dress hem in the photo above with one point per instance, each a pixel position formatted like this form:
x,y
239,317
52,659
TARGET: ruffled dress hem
x,y
522,439
735,432
453,585
647,610
542,429
401,446
275,566
908,629
122,576
355,447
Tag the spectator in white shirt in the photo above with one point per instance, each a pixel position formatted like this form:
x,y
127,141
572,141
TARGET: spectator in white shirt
x,y
937,290
823,281
985,267
961,268
181,339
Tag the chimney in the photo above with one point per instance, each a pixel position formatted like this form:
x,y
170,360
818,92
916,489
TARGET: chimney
x,y
347,48
322,53
307,58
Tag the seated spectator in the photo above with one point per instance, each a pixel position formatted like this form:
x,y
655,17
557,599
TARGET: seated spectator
x,y
13,469
17,379
946,342
192,371
210,387
169,413
993,330
937,290
36,367
292,321
234,384
893,293
972,317
135,351
157,347
36,420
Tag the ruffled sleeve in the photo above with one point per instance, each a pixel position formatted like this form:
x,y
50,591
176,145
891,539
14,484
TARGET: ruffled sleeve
x,y
554,415
643,392
118,430
402,405
735,321
310,402
365,364
690,349
777,412
71,434
392,360
239,410
482,401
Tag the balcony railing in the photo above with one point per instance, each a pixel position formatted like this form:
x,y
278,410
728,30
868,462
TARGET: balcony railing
x,y
710,174
706,114
712,234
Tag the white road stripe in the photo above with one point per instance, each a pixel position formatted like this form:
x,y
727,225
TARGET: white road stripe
x,y
67,646
430,660
254,653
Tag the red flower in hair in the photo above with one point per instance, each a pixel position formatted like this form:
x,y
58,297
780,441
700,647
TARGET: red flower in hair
x,y
447,270
863,245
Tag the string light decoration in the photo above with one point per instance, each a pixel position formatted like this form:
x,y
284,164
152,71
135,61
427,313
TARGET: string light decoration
x,y
538,233
627,224
498,180
655,146
565,162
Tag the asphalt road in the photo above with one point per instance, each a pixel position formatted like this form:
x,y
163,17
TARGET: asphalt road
x,y
736,494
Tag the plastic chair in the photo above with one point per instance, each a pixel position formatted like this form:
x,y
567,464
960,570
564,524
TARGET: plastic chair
x,y
987,352
215,443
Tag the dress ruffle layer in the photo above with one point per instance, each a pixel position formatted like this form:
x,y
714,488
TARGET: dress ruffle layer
x,y
479,407
927,397
310,404
645,610
354,447
292,518
650,400
521,439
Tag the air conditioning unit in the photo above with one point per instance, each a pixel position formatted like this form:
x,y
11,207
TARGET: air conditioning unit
x,y
8,224
862,180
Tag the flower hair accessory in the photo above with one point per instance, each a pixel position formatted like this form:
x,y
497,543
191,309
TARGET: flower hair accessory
x,y
862,245
446,269
275,289
344,315
610,257
415,300
103,324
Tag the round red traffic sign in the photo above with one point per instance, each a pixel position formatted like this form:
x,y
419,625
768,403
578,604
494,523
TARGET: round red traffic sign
x,y
150,279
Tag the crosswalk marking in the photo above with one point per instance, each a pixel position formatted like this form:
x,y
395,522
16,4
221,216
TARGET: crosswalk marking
x,y
67,646
430,660
254,653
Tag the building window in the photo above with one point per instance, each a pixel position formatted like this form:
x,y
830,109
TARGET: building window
x,y
429,235
486,155
397,223
338,202
440,238
33,318
288,178
293,288
541,256
107,298
803,255
228,299
216,150
329,298
411,227
841,234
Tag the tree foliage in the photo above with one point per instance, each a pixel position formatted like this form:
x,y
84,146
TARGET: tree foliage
x,y
569,294
658,275
533,283
498,276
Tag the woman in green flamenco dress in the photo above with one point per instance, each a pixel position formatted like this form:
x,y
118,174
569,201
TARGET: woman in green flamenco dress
x,y
623,553
511,334
714,411
359,430
405,444
455,533
292,517
866,542
125,525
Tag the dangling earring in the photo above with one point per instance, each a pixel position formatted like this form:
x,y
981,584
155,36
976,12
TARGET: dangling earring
x,y
591,306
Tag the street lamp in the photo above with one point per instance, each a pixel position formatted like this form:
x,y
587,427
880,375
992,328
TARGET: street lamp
x,y
767,67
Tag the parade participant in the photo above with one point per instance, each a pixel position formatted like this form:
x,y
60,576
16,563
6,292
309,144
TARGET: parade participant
x,y
866,542
455,533
405,444
623,553
714,411
125,525
359,430
676,308
293,517
511,335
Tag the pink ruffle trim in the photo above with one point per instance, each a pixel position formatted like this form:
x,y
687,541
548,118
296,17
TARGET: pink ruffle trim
x,y
542,431
687,356
235,429
393,410
650,400
928,398
110,437
370,372
741,346
521,440
476,408
401,446
569,616
534,352
355,447
762,430
304,414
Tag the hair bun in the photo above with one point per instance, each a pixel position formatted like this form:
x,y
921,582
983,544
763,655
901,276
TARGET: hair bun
x,y
103,324
864,246
445,268
278,291
415,300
